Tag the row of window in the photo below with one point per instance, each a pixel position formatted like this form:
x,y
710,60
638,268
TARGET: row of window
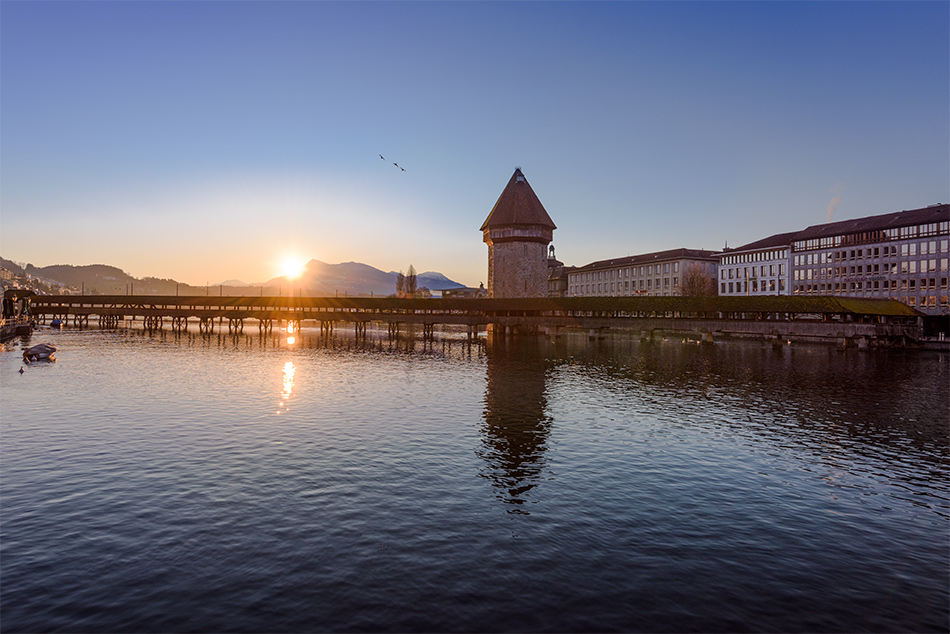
x,y
748,272
633,271
634,286
911,249
854,286
757,256
881,235
753,286
909,267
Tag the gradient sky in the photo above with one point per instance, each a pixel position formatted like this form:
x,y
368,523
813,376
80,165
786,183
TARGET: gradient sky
x,y
205,141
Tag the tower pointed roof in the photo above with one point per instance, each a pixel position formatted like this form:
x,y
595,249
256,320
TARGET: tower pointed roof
x,y
518,205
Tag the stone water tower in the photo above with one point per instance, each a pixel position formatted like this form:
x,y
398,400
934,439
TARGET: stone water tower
x,y
517,232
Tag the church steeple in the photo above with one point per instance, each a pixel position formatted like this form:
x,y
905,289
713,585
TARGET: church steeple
x,y
517,232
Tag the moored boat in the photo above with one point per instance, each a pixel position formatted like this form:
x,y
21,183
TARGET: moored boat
x,y
40,352
17,319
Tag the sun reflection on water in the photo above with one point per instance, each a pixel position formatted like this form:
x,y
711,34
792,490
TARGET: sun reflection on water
x,y
291,330
290,370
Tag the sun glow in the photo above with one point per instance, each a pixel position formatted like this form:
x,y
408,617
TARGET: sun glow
x,y
293,268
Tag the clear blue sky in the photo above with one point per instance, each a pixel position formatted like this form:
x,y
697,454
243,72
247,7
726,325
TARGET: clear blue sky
x,y
208,140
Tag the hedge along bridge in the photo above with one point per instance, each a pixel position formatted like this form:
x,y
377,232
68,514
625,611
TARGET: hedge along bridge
x,y
862,321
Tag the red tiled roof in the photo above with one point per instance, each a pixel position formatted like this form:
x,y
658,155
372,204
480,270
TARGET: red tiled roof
x,y
518,205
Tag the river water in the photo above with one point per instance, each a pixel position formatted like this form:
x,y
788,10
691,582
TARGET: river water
x,y
216,483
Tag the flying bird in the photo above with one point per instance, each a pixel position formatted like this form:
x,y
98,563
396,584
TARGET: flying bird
x,y
396,164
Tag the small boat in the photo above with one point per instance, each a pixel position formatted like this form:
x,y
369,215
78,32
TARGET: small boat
x,y
17,318
56,323
40,352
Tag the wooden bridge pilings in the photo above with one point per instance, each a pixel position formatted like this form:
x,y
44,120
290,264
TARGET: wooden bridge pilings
x,y
811,318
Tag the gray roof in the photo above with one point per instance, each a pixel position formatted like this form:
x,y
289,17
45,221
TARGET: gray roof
x,y
907,218
772,242
650,258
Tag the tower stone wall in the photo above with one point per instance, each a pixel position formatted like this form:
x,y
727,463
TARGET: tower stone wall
x,y
517,269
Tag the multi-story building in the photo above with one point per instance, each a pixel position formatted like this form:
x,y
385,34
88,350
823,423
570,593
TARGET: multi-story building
x,y
902,255
757,268
657,273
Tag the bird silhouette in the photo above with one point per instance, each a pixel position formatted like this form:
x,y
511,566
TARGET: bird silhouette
x,y
396,164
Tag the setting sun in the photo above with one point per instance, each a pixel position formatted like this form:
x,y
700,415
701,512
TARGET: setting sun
x,y
293,268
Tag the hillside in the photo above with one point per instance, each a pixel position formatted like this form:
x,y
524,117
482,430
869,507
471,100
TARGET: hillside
x,y
355,278
320,278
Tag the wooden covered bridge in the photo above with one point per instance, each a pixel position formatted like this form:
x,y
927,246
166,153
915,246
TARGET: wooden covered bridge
x,y
801,318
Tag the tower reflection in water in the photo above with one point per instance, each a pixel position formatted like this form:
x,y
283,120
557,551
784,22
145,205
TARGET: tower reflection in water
x,y
516,425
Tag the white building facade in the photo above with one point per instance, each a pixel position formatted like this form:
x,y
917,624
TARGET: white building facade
x,y
652,274
758,268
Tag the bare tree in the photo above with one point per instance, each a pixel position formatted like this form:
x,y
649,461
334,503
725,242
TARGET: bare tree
x,y
695,282
400,285
411,282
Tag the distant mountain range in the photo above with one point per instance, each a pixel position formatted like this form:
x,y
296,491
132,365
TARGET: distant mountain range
x,y
319,278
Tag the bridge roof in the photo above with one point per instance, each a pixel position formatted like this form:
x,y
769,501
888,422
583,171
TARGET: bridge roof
x,y
751,304
518,205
